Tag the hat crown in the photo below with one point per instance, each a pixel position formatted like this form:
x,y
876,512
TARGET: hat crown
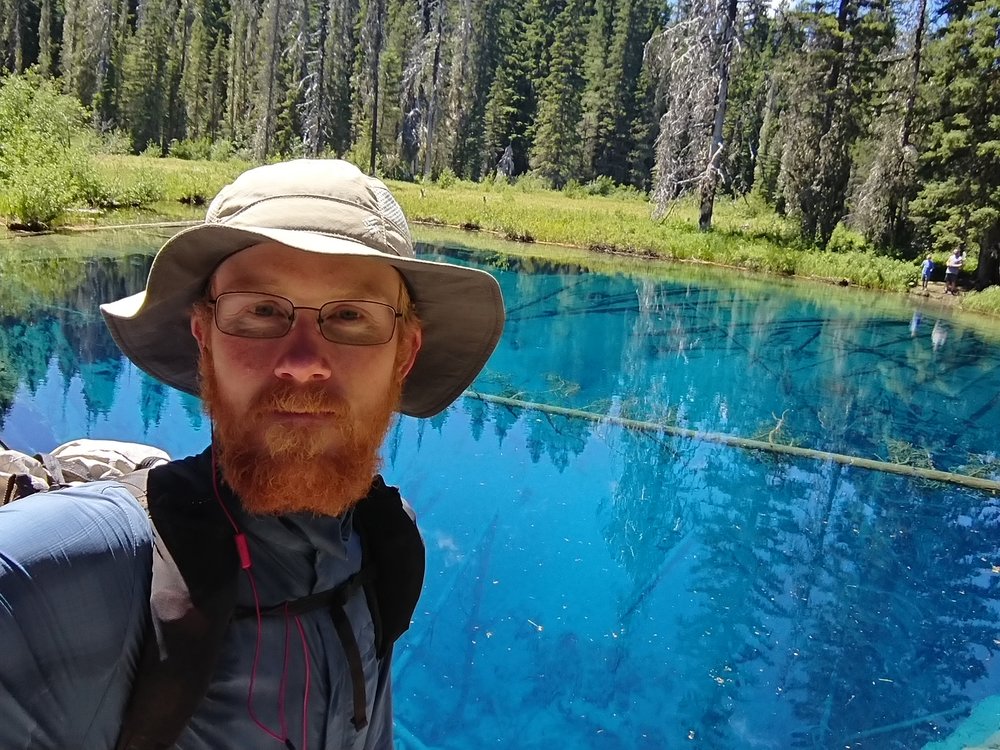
x,y
330,197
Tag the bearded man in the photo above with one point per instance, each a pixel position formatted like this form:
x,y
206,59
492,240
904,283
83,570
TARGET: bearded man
x,y
260,608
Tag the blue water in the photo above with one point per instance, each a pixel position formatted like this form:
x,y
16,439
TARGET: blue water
x,y
594,587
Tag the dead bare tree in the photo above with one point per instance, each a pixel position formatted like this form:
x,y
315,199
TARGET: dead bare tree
x,y
696,54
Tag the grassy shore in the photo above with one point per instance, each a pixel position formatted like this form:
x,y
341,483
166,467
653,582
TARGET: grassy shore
x,y
746,234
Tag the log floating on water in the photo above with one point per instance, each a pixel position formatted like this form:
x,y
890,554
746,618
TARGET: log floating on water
x,y
978,483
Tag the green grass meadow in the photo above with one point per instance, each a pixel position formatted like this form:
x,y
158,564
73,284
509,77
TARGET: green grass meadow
x,y
618,225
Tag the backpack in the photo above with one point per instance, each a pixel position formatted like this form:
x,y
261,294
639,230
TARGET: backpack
x,y
196,566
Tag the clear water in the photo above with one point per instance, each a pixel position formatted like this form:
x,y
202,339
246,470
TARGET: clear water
x,y
594,587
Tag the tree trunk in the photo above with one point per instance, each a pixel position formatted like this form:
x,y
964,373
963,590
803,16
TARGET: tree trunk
x,y
988,270
376,55
710,180
433,104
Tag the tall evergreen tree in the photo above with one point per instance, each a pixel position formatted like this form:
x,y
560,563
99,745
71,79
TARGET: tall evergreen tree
x,y
367,78
146,94
510,103
271,86
48,45
829,101
958,206
557,151
880,210
748,96
244,18
471,156
195,75
18,38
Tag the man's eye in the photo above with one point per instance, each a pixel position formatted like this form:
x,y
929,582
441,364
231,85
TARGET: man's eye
x,y
345,314
265,310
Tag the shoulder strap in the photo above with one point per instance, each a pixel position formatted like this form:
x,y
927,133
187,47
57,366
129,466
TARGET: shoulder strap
x,y
193,594
394,551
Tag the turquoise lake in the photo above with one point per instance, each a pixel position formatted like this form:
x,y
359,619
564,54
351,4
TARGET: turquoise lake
x,y
591,586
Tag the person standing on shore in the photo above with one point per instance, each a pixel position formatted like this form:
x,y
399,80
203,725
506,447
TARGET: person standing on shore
x,y
952,266
926,269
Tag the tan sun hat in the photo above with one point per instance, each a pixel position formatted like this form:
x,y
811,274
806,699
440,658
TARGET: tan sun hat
x,y
320,206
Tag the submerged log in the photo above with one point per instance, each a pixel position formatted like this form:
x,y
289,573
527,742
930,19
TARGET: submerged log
x,y
978,483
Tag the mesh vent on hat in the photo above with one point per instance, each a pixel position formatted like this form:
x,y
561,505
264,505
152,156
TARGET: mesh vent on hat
x,y
391,211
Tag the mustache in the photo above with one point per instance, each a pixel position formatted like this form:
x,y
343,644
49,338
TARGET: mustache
x,y
299,399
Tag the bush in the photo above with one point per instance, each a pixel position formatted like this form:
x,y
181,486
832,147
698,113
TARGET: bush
x,y
531,183
222,150
844,240
33,198
601,185
119,190
197,149
41,162
447,178
573,189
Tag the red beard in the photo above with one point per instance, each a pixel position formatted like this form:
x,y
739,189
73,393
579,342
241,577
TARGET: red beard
x,y
323,468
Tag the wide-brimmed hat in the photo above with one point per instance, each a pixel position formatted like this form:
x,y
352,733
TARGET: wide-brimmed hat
x,y
320,206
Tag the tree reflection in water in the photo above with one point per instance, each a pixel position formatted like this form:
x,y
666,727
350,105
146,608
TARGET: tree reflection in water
x,y
594,587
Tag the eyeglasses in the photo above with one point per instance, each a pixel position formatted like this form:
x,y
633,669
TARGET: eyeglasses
x,y
255,315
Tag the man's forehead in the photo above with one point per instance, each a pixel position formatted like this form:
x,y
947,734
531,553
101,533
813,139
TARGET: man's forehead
x,y
272,263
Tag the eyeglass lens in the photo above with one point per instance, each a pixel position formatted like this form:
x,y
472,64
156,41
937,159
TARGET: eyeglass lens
x,y
265,316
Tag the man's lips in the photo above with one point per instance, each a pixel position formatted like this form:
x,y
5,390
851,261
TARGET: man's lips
x,y
302,416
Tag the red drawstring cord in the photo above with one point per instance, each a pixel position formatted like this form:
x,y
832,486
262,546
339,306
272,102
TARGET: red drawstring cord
x,y
243,550
305,692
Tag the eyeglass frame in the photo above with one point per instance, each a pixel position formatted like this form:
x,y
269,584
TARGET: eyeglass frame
x,y
396,315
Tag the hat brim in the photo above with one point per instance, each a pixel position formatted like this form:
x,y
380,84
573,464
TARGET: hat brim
x,y
461,310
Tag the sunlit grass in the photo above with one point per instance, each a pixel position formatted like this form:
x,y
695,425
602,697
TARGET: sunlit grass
x,y
986,301
745,233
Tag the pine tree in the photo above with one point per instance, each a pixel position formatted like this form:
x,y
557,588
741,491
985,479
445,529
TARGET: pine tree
x,y
598,82
241,65
748,96
47,45
471,156
557,151
195,74
367,77
958,206
510,103
830,95
18,46
145,85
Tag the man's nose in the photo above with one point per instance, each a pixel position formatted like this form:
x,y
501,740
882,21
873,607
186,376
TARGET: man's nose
x,y
305,353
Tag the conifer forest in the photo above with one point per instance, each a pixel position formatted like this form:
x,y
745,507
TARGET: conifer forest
x,y
879,115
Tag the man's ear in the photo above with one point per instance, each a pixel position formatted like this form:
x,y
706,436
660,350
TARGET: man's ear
x,y
409,346
199,329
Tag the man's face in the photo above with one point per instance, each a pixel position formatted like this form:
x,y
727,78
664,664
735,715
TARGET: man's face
x,y
298,419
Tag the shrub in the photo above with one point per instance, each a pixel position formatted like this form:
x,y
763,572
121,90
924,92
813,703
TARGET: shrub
x,y
197,149
40,159
115,142
531,183
573,189
222,150
601,185
119,189
35,197
447,178
844,240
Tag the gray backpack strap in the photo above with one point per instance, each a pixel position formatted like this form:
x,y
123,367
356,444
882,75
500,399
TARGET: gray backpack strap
x,y
192,597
